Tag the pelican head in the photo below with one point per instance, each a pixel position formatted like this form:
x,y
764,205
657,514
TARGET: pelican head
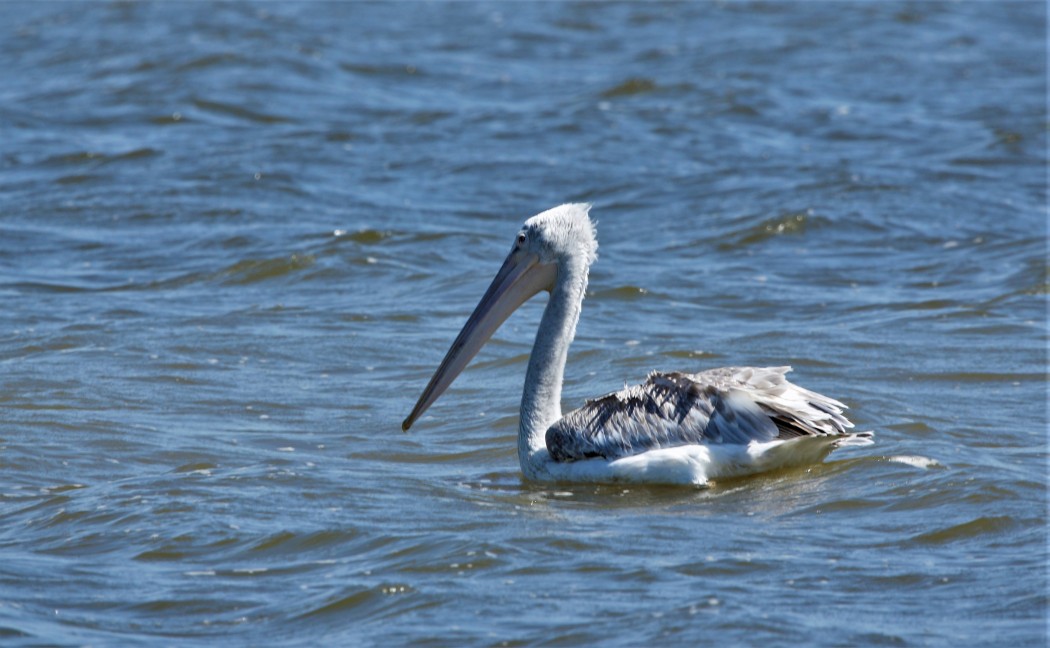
x,y
558,243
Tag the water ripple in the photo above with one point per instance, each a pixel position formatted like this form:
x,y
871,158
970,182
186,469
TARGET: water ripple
x,y
235,241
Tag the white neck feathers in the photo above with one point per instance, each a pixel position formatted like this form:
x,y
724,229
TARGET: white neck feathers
x,y
541,397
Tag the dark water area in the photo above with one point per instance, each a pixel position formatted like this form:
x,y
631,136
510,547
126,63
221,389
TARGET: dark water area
x,y
236,239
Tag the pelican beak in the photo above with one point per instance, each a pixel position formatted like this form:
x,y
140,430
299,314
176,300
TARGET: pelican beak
x,y
521,277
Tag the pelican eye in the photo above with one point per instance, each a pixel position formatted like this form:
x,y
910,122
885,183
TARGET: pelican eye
x,y
521,239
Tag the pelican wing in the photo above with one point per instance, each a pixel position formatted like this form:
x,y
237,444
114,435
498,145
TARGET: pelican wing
x,y
733,405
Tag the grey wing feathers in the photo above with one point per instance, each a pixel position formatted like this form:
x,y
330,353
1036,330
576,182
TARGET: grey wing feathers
x,y
729,405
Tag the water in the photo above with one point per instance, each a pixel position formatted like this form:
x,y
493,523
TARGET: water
x,y
236,239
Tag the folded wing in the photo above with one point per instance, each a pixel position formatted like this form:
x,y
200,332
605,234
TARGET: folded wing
x,y
733,405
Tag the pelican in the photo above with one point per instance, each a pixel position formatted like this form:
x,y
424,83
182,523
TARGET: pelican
x,y
675,428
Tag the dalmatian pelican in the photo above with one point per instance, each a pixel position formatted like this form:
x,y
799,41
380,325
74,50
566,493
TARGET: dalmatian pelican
x,y
675,428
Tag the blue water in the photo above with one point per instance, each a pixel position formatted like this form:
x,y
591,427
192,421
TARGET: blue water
x,y
236,240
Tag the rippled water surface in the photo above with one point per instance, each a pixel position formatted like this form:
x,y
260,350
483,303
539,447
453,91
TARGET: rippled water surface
x,y
236,239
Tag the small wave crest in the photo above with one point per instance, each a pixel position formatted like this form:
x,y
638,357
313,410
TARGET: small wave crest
x,y
915,461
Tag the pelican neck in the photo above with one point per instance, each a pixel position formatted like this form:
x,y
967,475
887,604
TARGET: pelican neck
x,y
541,396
